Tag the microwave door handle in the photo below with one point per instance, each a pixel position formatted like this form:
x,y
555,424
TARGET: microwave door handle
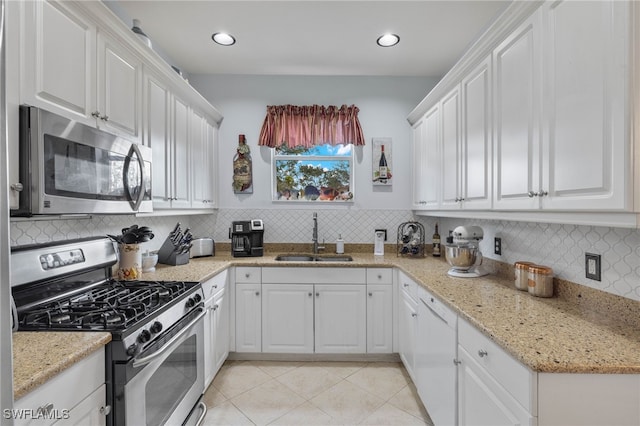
x,y
135,204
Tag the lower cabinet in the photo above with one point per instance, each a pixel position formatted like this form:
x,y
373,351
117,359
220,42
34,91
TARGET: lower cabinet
x,y
216,325
76,396
340,318
407,324
248,318
287,318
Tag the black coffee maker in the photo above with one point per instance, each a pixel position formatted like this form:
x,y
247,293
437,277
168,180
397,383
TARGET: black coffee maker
x,y
246,238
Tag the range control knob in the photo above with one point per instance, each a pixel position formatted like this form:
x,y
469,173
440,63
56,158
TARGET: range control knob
x,y
197,297
132,349
144,336
156,327
191,302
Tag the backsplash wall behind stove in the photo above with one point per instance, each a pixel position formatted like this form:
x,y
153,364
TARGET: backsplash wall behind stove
x,y
561,247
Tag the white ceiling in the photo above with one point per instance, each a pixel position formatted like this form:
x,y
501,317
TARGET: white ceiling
x,y
308,37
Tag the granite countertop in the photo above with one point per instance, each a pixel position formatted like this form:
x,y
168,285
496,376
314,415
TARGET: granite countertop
x,y
39,356
548,335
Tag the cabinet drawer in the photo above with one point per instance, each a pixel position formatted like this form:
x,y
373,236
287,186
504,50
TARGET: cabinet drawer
x,y
215,284
248,275
516,378
66,390
408,285
314,275
379,276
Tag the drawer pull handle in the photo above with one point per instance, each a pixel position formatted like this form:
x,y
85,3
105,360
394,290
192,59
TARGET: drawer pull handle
x,y
456,361
406,284
482,353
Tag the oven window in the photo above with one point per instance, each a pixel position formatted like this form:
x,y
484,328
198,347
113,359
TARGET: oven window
x,y
170,382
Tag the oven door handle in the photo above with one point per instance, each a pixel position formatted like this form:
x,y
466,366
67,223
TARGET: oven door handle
x,y
140,362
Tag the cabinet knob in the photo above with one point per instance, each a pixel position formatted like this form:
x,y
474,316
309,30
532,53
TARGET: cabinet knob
x,y
532,194
405,285
432,300
45,409
370,294
18,187
542,193
310,294
215,307
106,410
215,286
456,361
104,118
95,114
413,314
482,353
247,275
379,276
257,293
317,294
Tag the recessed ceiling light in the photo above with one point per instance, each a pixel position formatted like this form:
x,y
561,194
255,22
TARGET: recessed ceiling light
x,y
388,40
223,39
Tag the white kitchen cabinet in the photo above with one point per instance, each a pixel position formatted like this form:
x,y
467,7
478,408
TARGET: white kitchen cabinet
x,y
76,396
340,318
407,323
427,162
476,139
436,358
379,310
93,78
202,142
516,94
248,317
287,318
451,150
586,82
216,324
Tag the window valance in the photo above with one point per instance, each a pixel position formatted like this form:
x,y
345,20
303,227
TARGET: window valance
x,y
307,126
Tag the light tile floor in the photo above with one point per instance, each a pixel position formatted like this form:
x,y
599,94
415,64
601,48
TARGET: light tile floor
x,y
313,393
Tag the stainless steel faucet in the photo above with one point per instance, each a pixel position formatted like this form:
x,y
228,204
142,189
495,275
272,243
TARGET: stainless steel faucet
x,y
316,247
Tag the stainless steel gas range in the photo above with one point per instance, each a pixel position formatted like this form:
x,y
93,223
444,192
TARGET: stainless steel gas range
x,y
155,367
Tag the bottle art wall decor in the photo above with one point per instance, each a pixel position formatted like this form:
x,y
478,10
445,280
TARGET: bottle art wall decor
x,y
381,161
242,168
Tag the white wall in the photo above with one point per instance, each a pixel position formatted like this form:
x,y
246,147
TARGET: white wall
x,y
384,104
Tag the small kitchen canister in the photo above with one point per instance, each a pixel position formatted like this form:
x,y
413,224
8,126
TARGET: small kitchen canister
x,y
540,281
521,269
130,264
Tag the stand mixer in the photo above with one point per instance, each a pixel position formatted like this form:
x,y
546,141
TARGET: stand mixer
x,y
464,254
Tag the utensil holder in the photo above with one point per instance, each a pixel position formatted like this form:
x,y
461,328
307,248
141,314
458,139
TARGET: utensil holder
x,y
168,256
130,262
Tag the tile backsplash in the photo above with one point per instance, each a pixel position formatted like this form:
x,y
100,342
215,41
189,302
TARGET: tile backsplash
x,y
561,247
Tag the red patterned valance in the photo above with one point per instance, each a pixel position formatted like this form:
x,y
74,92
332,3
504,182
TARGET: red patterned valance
x,y
311,125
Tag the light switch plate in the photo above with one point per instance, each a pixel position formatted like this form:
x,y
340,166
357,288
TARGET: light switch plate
x,y
592,266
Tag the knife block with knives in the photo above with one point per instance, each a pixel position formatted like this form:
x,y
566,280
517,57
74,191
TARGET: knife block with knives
x,y
175,249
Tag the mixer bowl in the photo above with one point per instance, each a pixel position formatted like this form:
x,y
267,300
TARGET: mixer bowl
x,y
461,256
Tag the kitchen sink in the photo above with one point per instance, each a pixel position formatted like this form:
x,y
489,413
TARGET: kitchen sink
x,y
312,258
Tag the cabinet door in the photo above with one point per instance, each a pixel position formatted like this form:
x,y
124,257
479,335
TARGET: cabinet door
x,y
287,318
419,165
451,150
209,341
58,71
340,318
181,160
432,159
476,138
482,401
119,89
90,412
407,331
516,122
379,318
248,318
585,91
210,185
157,123
199,163
221,329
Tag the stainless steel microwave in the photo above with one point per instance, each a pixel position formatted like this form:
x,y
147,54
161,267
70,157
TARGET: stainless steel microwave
x,y
67,167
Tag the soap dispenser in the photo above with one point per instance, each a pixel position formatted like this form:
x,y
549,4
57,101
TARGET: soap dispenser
x,y
378,247
339,245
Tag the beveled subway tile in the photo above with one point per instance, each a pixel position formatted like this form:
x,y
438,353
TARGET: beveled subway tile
x,y
309,380
347,403
267,402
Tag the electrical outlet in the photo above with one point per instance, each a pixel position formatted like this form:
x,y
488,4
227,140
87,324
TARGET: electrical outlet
x,y
497,246
385,233
592,266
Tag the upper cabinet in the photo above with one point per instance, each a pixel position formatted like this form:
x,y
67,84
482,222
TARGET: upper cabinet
x,y
427,161
77,59
539,115
76,70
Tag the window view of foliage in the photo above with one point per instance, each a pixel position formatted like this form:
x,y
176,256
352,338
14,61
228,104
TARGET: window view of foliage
x,y
320,173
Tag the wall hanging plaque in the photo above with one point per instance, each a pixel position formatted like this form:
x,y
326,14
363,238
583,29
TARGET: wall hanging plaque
x,y
242,172
381,150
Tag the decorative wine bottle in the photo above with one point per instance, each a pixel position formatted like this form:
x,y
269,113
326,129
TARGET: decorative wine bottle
x,y
242,167
436,243
383,170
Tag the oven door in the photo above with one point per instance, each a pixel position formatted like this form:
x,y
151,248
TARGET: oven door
x,y
169,381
